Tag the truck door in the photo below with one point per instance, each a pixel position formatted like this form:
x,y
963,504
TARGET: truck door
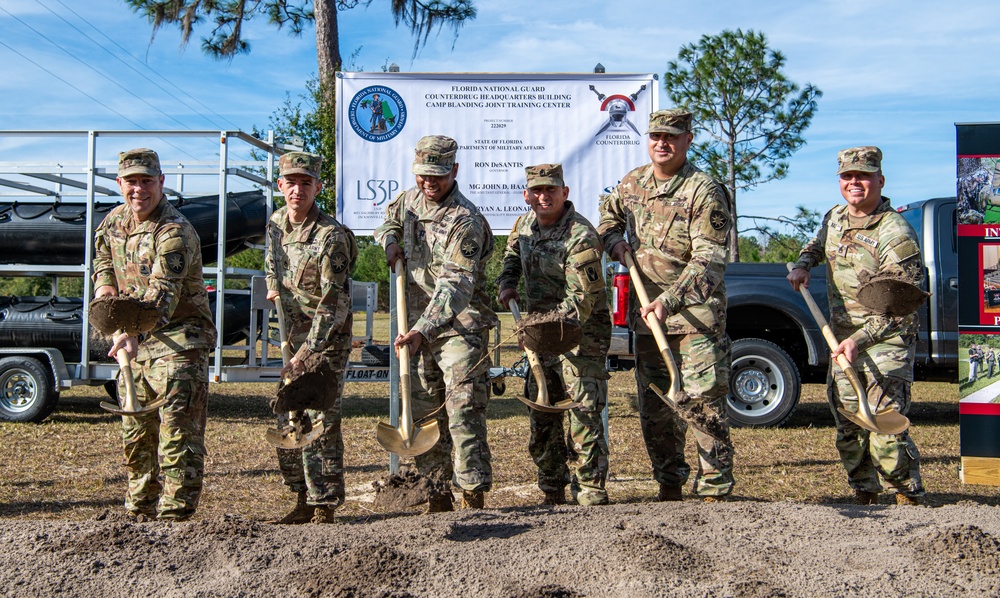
x,y
944,277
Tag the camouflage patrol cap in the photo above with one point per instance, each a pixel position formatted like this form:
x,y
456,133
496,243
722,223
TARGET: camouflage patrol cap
x,y
300,163
544,175
138,161
866,158
674,121
435,155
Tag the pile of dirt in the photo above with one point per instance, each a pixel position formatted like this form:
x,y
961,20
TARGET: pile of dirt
x,y
689,548
549,333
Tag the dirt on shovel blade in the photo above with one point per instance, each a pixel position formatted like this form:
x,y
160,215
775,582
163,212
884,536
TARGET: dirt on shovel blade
x,y
312,389
549,333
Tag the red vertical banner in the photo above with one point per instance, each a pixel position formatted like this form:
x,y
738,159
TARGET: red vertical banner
x,y
978,247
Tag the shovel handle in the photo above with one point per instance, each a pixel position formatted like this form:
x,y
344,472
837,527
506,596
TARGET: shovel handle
x,y
534,362
125,367
654,325
845,365
405,383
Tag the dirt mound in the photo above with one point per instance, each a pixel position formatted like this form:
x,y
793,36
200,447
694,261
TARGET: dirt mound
x,y
683,549
965,546
377,570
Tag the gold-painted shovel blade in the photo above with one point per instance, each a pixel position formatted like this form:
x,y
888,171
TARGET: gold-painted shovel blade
x,y
118,410
559,407
887,421
424,437
287,438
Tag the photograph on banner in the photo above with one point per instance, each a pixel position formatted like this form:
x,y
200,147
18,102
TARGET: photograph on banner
x,y
593,124
979,190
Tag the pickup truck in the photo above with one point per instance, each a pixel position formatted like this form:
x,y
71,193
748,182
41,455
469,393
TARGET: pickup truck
x,y
776,342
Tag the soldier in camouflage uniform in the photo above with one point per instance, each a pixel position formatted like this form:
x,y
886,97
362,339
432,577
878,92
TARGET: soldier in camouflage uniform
x,y
867,235
309,261
446,244
677,222
559,254
148,250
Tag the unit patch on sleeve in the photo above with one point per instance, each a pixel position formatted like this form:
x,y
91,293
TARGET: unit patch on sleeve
x,y
175,262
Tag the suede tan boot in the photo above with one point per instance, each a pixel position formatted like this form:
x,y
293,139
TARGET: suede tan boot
x,y
323,514
302,513
473,500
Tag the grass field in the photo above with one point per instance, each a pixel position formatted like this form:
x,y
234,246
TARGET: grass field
x,y
69,466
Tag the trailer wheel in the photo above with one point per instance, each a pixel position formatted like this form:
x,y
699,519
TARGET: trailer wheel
x,y
498,387
27,393
764,384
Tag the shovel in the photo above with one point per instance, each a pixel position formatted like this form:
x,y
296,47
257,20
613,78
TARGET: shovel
x,y
674,394
299,432
886,421
407,440
542,402
131,406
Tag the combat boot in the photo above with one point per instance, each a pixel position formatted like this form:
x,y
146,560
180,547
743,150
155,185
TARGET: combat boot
x,y
302,513
473,500
669,493
323,514
555,497
440,503
906,501
714,498
864,497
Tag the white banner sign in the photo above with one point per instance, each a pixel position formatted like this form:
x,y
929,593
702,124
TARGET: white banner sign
x,y
591,123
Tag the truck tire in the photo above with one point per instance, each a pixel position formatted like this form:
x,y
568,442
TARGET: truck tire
x,y
764,384
27,393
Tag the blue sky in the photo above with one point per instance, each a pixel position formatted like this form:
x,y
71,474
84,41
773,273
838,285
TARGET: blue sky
x,y
894,74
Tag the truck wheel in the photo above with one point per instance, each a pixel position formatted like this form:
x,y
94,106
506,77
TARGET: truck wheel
x,y
764,384
26,391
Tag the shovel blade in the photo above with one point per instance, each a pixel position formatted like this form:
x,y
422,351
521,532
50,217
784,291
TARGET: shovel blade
x,y
118,410
423,439
887,421
564,405
286,438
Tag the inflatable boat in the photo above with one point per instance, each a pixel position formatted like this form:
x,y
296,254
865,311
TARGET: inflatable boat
x,y
57,323
54,234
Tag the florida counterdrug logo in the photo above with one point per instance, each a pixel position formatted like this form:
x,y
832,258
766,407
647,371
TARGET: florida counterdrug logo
x,y
377,113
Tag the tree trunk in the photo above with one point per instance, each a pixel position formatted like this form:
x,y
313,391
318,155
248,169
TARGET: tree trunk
x,y
734,233
327,46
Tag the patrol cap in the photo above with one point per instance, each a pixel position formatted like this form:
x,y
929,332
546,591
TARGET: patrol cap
x,y
300,163
544,175
435,155
138,161
674,121
866,158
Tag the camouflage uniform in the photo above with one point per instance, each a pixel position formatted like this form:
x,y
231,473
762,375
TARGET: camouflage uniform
x,y
159,260
310,265
446,246
561,265
882,242
678,231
